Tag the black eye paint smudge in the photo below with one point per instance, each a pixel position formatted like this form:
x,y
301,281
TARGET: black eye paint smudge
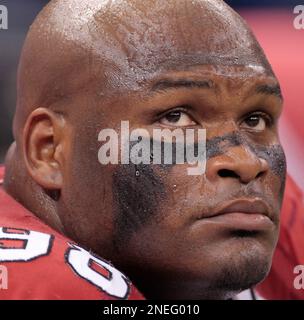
x,y
138,191
274,154
217,146
176,153
275,157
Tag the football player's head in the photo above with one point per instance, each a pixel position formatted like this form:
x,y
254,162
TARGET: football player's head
x,y
174,64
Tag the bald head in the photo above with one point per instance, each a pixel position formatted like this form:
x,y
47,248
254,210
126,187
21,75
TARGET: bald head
x,y
123,43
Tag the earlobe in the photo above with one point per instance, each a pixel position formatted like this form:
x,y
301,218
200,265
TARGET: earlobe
x,y
43,148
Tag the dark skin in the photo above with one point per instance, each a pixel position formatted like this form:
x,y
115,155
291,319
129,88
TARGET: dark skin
x,y
157,64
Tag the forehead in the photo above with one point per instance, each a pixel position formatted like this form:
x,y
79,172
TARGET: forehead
x,y
134,42
136,53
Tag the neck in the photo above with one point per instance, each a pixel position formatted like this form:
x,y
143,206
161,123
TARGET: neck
x,y
183,291
157,286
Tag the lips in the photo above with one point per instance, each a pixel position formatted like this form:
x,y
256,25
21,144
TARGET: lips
x,y
246,212
247,206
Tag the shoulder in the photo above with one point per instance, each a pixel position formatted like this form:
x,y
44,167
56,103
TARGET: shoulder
x,y
43,264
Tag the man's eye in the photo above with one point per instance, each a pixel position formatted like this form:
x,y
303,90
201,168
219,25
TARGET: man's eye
x,y
177,118
255,122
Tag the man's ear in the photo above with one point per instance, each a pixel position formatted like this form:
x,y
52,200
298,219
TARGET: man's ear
x,y
43,148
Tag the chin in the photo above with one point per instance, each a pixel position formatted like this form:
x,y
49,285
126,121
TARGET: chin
x,y
244,265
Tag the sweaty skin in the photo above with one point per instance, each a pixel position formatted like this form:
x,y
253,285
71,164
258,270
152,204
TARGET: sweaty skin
x,y
88,65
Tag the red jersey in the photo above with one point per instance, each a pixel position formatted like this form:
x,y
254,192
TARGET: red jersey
x,y
40,263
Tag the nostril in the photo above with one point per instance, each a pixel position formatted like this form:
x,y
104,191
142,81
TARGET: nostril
x,y
260,174
225,173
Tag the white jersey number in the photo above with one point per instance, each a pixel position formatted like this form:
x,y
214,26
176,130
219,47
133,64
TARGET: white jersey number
x,y
105,276
23,245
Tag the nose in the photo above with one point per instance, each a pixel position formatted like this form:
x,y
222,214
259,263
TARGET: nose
x,y
239,163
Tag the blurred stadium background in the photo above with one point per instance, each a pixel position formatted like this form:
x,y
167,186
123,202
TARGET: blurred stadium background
x,y
272,22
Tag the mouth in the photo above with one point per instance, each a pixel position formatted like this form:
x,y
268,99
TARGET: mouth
x,y
242,215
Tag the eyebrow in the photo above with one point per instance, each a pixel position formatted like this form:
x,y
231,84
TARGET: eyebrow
x,y
274,90
167,84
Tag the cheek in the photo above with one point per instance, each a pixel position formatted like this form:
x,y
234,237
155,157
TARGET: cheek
x,y
276,159
138,192
150,196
